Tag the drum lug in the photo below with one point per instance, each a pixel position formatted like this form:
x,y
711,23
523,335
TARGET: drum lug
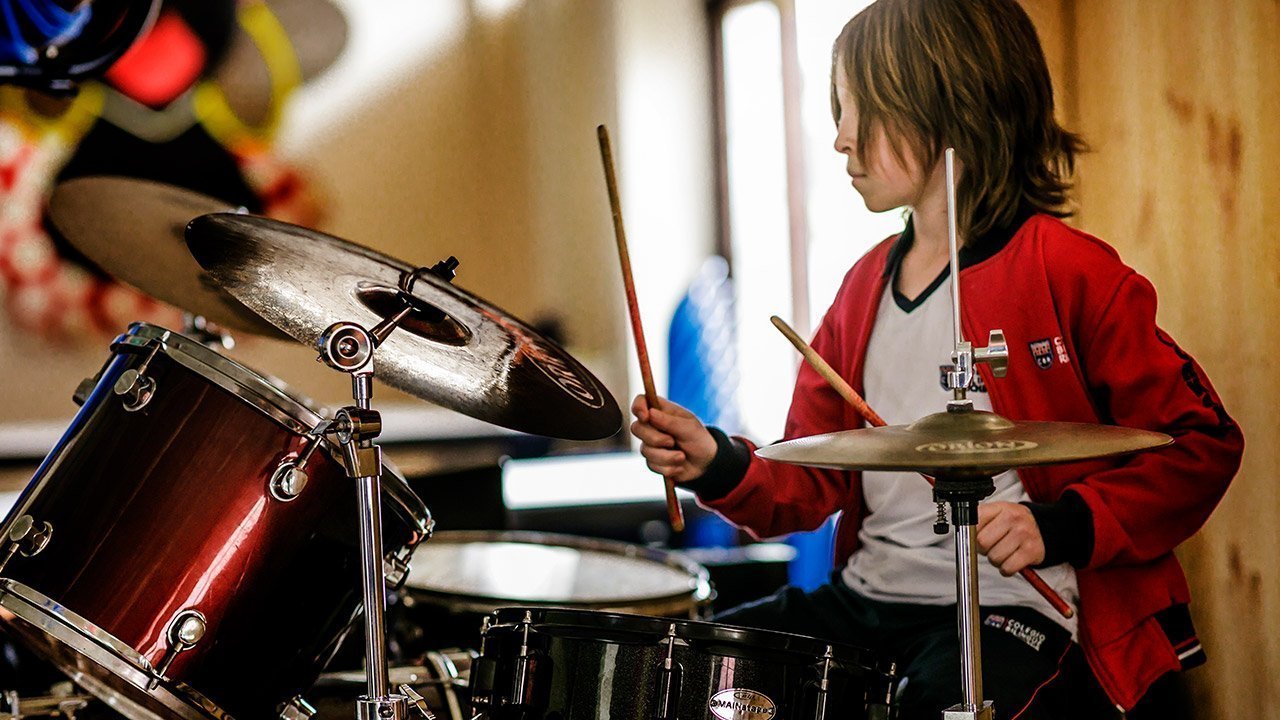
x,y
27,538
290,477
526,666
288,481
669,680
134,386
824,685
296,709
185,630
483,672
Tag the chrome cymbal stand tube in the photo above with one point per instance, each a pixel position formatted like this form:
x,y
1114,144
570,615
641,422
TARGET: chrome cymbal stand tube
x,y
964,492
349,347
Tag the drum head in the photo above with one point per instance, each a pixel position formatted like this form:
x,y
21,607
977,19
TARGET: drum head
x,y
488,570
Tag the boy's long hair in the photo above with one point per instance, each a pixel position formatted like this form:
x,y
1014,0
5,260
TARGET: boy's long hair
x,y
969,74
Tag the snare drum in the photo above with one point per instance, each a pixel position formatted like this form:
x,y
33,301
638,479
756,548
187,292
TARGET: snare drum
x,y
459,577
168,556
576,665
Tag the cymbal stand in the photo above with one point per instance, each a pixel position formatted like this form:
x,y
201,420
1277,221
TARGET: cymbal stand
x,y
963,491
349,347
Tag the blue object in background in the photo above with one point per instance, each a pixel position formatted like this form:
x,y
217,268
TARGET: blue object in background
x,y
703,377
815,554
702,350
702,374
28,25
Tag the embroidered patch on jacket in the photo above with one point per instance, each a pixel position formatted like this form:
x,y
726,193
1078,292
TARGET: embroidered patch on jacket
x,y
975,385
1027,634
1042,351
1061,348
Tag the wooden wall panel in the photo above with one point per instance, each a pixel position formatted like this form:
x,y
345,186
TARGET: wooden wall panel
x,y
1179,99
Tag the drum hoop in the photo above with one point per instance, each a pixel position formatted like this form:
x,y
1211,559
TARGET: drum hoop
x,y
105,650
695,630
226,373
700,592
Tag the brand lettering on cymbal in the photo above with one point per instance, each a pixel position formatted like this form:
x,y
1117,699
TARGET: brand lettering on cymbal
x,y
976,447
740,704
549,362
564,376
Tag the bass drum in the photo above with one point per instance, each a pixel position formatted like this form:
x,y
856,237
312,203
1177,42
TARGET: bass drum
x,y
190,549
460,577
540,664
441,678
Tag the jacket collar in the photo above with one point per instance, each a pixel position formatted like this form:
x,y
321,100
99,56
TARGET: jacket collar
x,y
972,253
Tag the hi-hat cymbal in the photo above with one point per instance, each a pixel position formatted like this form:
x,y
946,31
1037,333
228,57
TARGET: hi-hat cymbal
x,y
132,229
963,443
476,359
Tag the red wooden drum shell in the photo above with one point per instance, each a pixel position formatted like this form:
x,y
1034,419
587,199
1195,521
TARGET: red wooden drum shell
x,y
168,508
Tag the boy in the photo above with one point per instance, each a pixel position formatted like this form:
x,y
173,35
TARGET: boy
x,y
911,77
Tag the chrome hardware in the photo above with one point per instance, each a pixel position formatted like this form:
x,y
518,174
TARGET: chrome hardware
x,y
136,389
134,386
345,346
961,712
396,568
522,662
26,537
965,356
483,671
288,481
940,526
290,476
669,680
356,428
824,685
296,709
417,702
995,354
185,630
391,707
61,702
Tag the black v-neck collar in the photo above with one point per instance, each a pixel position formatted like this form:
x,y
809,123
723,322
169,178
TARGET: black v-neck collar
x,y
971,254
909,304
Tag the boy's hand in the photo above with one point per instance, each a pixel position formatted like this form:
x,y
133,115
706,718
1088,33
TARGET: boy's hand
x,y
1009,536
673,440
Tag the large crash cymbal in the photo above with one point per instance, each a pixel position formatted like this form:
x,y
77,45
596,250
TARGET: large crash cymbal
x,y
132,229
476,359
963,443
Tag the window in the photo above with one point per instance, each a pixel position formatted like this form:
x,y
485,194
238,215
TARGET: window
x,y
790,222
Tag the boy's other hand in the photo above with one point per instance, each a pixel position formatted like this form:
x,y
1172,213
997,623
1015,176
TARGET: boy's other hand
x,y
674,442
1009,536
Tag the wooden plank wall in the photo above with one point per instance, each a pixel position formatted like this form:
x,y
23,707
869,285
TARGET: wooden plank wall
x,y
1180,100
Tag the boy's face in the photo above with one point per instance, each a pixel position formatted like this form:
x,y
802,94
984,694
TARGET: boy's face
x,y
885,181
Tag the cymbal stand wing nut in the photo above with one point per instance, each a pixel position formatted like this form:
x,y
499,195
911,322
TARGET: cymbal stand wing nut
x,y
995,354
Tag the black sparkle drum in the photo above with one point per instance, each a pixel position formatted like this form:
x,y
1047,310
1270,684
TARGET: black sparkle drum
x,y
561,664
459,577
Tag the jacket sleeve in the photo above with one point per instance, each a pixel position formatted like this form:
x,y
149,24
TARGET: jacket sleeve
x,y
770,498
1140,378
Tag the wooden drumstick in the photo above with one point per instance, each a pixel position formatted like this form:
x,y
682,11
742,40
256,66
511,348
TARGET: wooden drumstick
x,y
674,512
851,396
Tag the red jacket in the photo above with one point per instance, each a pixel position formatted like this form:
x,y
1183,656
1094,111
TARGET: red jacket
x,y
1107,362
